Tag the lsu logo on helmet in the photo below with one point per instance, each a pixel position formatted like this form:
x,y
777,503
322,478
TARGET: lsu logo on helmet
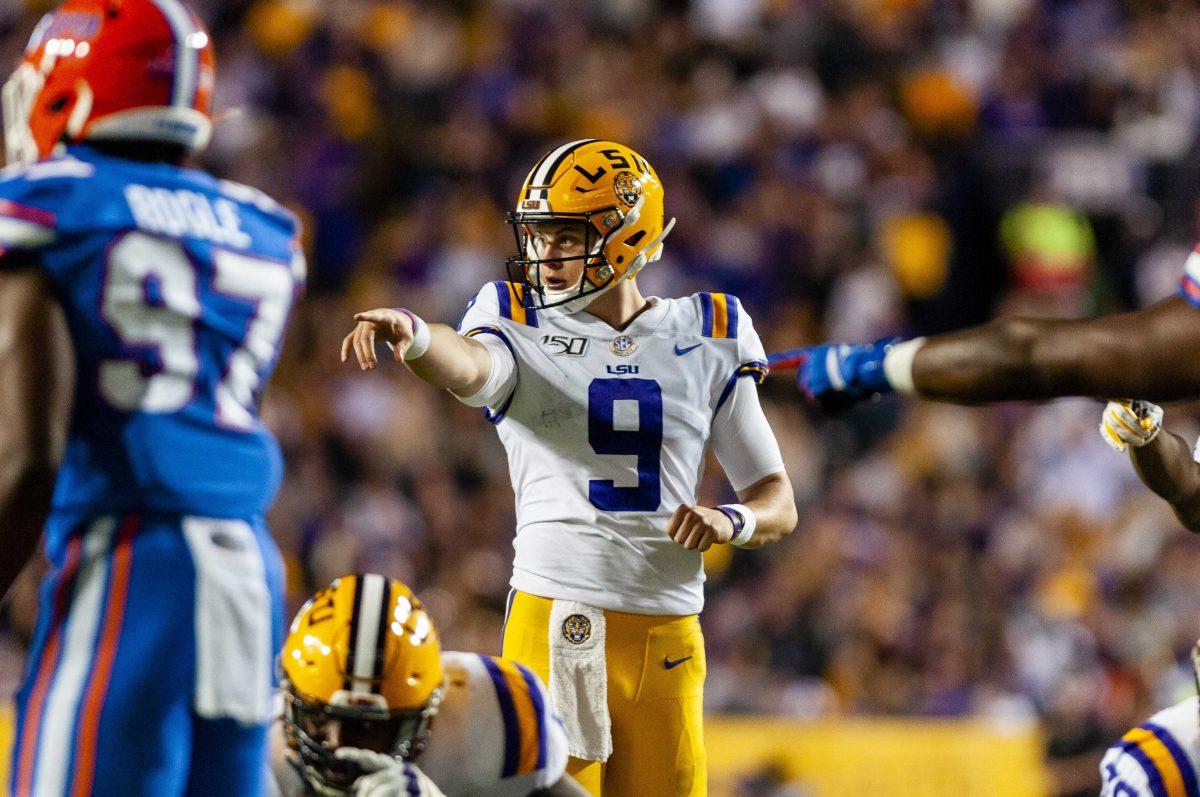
x,y
138,70
613,194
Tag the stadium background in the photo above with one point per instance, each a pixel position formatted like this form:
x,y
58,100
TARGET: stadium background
x,y
969,591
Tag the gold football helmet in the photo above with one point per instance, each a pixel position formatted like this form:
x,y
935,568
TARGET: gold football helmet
x,y
361,667
615,197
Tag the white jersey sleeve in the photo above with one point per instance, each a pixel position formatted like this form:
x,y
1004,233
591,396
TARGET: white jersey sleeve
x,y
495,734
482,321
1158,758
741,437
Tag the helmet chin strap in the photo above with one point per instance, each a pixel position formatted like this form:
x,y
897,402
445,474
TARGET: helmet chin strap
x,y
648,254
575,305
643,258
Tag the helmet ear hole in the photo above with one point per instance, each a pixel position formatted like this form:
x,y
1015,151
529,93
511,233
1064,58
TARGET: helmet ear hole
x,y
60,104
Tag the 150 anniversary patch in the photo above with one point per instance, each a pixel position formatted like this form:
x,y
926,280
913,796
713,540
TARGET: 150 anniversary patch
x,y
564,344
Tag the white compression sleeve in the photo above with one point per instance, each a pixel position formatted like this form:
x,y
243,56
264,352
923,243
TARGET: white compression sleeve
x,y
742,439
500,382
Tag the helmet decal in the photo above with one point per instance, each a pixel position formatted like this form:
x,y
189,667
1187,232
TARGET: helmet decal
x,y
627,187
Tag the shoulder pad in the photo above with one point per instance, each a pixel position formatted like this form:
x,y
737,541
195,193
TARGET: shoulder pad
x,y
719,315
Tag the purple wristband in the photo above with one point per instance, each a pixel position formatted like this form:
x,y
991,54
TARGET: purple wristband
x,y
735,518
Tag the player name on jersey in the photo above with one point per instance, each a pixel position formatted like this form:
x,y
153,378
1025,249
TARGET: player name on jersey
x,y
180,212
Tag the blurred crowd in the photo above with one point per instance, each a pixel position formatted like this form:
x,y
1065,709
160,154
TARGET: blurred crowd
x,y
851,169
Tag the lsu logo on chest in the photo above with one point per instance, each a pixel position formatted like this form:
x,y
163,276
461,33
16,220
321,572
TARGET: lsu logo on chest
x,y
621,370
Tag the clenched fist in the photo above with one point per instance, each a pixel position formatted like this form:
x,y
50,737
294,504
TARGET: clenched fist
x,y
1130,423
698,528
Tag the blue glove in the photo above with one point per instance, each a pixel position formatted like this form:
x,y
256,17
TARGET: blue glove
x,y
836,375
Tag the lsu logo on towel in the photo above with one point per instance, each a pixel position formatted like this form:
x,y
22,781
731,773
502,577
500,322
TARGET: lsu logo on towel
x,y
577,629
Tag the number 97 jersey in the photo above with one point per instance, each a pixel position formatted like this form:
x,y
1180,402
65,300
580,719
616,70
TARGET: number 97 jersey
x,y
176,288
606,433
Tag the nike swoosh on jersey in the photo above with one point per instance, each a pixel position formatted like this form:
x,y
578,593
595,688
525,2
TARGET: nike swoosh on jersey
x,y
680,352
670,665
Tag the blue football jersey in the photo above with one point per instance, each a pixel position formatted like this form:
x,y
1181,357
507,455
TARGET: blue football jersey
x,y
176,288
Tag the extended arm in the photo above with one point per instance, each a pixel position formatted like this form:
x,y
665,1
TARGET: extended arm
x,y
452,362
36,364
1144,353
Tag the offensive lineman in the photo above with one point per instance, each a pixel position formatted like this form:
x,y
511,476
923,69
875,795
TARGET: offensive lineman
x,y
606,401
162,294
372,706
1162,755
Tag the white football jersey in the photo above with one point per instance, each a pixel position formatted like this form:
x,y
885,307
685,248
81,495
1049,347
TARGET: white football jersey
x,y
494,735
606,434
1159,757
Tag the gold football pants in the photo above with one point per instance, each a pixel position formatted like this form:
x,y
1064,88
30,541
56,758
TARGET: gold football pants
x,y
656,668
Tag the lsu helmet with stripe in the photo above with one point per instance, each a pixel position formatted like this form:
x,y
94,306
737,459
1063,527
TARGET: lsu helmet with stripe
x,y
128,70
617,199
361,667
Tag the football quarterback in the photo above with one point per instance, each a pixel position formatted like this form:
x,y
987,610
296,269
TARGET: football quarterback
x,y
371,705
606,402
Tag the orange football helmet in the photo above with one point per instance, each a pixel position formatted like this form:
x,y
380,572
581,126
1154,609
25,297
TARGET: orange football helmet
x,y
137,70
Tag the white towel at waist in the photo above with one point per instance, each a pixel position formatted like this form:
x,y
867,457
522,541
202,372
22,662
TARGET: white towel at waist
x,y
579,678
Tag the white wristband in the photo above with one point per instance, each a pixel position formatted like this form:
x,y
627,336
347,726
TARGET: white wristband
x,y
421,336
749,521
898,365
